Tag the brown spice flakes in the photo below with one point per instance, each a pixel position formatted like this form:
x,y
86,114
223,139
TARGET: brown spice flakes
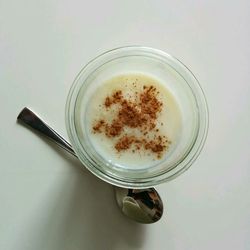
x,y
124,143
156,146
108,101
142,113
116,98
97,128
149,103
114,129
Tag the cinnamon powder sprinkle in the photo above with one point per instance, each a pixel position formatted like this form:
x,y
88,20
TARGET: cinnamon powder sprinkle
x,y
116,98
140,113
98,126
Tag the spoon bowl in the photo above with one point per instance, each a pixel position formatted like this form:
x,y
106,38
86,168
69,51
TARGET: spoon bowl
x,y
141,205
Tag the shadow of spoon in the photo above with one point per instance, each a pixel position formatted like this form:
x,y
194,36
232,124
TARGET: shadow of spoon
x,y
141,205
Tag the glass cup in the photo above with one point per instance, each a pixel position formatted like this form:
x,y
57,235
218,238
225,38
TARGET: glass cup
x,y
180,82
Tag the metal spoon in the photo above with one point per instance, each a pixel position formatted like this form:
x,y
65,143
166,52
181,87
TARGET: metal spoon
x,y
141,205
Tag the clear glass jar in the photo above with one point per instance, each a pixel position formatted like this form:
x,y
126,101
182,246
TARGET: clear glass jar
x,y
181,83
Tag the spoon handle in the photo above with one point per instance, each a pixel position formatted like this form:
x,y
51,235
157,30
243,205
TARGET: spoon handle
x,y
32,120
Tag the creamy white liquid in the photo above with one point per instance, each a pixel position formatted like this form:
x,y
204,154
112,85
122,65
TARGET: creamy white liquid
x,y
168,123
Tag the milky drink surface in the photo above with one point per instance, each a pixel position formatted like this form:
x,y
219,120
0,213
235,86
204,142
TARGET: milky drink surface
x,y
142,138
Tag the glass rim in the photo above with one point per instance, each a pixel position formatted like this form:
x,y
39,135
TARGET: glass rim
x,y
179,167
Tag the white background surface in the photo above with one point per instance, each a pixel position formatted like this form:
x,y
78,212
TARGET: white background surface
x,y
46,200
